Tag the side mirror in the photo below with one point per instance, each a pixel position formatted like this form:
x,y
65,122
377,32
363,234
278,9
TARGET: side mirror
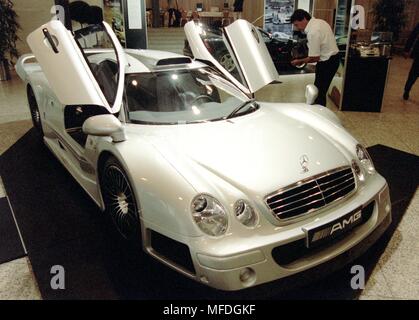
x,y
106,125
311,94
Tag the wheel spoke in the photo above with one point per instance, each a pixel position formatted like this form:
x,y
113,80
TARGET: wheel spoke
x,y
126,188
120,202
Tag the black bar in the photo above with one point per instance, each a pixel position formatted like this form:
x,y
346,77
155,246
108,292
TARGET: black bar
x,y
65,5
50,40
156,14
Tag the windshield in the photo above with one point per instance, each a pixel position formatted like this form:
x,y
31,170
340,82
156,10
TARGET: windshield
x,y
181,96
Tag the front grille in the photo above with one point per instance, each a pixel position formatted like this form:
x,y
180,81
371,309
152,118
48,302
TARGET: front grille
x,y
312,194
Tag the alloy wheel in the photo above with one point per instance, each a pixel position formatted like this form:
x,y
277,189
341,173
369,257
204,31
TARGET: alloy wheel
x,y
35,114
227,62
120,202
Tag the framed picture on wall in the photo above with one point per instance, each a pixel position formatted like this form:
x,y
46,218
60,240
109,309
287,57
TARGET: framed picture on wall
x,y
113,14
277,19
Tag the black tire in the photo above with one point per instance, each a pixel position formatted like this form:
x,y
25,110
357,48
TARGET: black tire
x,y
120,202
35,114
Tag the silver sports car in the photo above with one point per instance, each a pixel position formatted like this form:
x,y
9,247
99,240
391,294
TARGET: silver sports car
x,y
227,190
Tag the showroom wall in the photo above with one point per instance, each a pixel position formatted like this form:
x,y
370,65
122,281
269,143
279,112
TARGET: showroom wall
x,y
31,16
252,9
98,3
412,11
324,9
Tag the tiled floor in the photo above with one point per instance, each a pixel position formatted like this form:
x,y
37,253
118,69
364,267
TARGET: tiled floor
x,y
396,274
17,281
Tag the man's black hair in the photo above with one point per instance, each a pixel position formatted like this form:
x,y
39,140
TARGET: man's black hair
x,y
299,15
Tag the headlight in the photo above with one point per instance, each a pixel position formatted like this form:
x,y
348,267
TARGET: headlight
x,y
365,159
245,213
209,215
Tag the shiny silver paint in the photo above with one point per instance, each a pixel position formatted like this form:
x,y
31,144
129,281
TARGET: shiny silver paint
x,y
247,157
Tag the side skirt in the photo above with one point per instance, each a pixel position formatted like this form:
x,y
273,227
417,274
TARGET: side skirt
x,y
87,184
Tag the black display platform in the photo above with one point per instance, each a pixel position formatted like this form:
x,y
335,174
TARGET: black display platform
x,y
61,226
11,246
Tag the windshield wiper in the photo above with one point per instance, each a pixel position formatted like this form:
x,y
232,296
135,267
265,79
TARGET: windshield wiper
x,y
241,107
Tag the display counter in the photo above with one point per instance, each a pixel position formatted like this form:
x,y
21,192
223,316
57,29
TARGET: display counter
x,y
365,83
367,66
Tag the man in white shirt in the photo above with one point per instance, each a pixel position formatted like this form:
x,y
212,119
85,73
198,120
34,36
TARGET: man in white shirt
x,y
322,49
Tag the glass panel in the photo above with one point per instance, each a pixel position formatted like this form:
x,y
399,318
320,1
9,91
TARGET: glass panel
x,y
103,61
278,17
370,44
93,37
92,12
181,96
84,13
219,49
265,36
343,12
113,15
342,20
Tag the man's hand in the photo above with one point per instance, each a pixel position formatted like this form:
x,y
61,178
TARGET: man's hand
x,y
296,62
299,62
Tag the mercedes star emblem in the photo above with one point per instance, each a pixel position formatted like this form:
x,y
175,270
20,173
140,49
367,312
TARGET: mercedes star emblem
x,y
304,161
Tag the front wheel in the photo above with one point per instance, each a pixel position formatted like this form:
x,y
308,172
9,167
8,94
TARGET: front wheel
x,y
35,114
120,201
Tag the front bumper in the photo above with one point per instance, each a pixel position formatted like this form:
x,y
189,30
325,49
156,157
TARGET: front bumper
x,y
256,265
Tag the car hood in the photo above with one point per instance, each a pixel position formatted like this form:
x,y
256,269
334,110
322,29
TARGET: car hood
x,y
257,153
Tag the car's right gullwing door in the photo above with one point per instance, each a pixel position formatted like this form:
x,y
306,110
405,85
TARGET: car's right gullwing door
x,y
253,68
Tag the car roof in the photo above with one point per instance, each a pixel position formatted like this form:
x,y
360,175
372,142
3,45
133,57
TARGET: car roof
x,y
148,61
143,61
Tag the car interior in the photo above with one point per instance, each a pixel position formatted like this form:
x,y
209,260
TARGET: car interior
x,y
151,92
106,74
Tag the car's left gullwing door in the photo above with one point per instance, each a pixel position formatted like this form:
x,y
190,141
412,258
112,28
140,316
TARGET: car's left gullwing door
x,y
78,76
254,68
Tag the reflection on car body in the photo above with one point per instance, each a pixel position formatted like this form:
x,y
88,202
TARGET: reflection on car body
x,y
282,48
228,191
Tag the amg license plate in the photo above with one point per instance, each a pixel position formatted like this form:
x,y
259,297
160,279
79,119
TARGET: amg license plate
x,y
334,229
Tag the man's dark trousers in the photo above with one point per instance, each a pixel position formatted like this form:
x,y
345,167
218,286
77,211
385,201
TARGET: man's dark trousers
x,y
413,75
325,71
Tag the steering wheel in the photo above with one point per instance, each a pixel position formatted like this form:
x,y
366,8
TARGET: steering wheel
x,y
202,96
